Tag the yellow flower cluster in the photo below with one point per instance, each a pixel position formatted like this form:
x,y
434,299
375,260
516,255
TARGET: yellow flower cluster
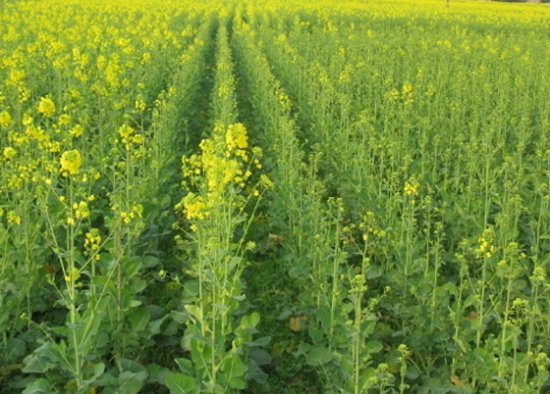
x,y
136,212
131,139
81,210
5,119
92,243
222,167
71,162
9,152
46,107
14,218
411,188
236,137
486,248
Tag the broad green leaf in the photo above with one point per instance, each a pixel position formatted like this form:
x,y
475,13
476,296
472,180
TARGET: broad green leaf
x,y
196,312
139,319
249,322
43,359
255,373
259,342
260,356
186,366
125,364
180,383
150,261
318,356
233,366
374,346
131,266
138,285
39,386
14,349
323,314
237,383
154,326
130,382
157,373
98,369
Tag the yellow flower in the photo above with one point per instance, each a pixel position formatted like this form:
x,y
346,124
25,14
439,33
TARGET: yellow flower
x,y
411,189
13,218
194,207
9,152
77,130
93,239
73,275
5,119
236,136
81,210
71,161
64,120
125,132
46,106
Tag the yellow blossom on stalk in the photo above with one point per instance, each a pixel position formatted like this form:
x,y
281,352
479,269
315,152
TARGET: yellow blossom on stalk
x,y
140,104
265,182
14,218
236,136
194,207
81,210
138,139
5,119
64,120
46,106
9,152
71,161
73,275
76,131
485,248
411,188
125,132
27,120
92,239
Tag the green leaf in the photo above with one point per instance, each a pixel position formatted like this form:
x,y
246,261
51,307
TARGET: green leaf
x,y
317,335
129,365
179,383
255,373
14,349
139,318
249,322
259,342
150,261
374,346
130,382
99,368
260,356
43,359
318,356
39,386
186,366
233,366
155,325
237,383
138,285
196,312
323,314
179,317
131,266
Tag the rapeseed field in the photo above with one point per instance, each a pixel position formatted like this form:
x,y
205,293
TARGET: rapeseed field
x,y
274,197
